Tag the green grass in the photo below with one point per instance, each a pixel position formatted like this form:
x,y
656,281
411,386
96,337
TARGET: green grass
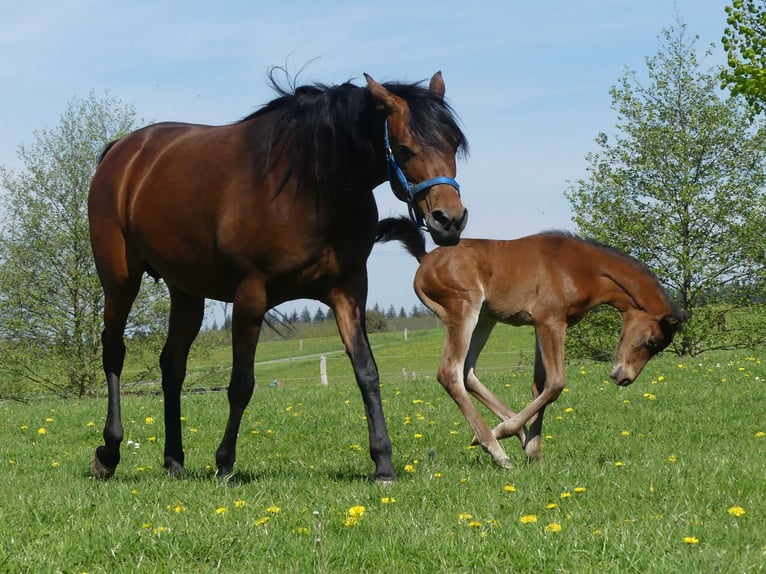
x,y
631,471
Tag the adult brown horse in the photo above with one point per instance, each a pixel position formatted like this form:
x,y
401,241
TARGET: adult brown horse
x,y
550,281
276,207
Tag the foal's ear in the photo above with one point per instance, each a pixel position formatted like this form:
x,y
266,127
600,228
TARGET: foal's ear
x,y
385,99
436,86
675,321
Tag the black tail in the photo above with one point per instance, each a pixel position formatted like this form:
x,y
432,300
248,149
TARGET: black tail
x,y
106,150
404,230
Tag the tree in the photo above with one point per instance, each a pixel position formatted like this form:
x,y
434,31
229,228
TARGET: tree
x,y
744,40
50,296
681,188
319,315
305,315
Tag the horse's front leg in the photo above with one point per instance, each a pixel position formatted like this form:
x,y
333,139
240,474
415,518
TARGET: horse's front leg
x,y
348,306
247,317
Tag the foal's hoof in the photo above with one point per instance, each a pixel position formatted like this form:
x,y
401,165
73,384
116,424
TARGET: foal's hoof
x,y
504,462
100,470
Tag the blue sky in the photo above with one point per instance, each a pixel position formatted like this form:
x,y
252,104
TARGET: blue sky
x,y
529,80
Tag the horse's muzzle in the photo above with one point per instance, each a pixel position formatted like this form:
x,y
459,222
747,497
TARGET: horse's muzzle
x,y
620,376
446,230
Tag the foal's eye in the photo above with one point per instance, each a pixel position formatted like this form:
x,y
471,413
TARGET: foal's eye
x,y
405,154
651,344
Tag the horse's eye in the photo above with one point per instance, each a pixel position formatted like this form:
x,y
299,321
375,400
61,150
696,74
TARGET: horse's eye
x,y
404,153
651,344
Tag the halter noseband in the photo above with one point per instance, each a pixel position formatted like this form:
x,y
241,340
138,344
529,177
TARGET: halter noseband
x,y
411,189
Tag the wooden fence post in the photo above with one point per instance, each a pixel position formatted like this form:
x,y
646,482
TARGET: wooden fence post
x,y
323,369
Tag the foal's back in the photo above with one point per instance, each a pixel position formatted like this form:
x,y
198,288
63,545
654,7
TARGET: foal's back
x,y
515,281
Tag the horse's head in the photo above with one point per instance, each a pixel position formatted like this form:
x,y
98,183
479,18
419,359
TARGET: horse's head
x,y
421,139
643,336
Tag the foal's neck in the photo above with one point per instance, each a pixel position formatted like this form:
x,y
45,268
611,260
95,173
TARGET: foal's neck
x,y
632,285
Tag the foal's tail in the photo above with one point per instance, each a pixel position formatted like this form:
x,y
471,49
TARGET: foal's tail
x,y
404,230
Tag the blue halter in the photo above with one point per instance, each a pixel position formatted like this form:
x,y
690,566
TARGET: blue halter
x,y
411,189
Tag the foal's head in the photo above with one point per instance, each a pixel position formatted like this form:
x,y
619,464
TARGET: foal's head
x,y
643,336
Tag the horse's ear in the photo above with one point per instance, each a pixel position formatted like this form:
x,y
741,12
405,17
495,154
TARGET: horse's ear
x,y
675,321
385,99
436,86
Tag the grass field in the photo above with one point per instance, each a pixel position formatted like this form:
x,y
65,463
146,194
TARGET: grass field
x,y
668,475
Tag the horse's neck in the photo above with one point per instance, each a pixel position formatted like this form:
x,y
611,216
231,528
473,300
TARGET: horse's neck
x,y
631,286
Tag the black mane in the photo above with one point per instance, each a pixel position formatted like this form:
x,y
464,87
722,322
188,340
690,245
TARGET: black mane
x,y
325,128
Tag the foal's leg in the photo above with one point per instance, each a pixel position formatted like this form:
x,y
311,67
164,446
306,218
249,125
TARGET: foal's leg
x,y
186,314
247,318
118,299
460,321
550,355
474,386
348,306
532,447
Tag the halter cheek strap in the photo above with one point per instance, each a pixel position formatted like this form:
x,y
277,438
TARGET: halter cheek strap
x,y
411,189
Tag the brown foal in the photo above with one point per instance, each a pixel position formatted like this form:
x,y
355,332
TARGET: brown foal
x,y
550,281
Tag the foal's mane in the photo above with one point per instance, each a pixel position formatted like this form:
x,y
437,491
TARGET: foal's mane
x,y
328,130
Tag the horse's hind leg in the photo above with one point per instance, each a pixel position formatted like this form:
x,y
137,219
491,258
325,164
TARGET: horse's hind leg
x,y
118,299
460,321
186,314
479,338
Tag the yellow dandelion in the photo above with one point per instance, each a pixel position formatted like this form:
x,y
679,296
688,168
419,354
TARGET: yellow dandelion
x,y
661,378
41,431
566,495
356,510
691,540
474,524
24,427
528,519
509,488
569,410
11,461
240,504
160,529
672,458
273,510
221,510
55,464
465,516
580,489
409,468
90,424
760,434
453,432
625,433
551,506
619,464
388,500
418,435
736,511
149,420
262,521
553,527
438,475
